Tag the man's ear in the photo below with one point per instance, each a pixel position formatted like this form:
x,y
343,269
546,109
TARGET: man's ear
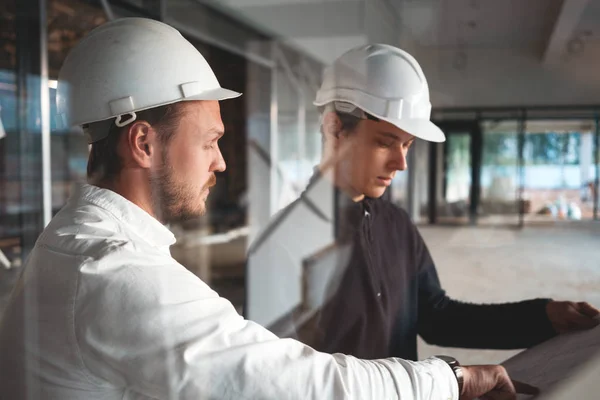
x,y
141,143
332,126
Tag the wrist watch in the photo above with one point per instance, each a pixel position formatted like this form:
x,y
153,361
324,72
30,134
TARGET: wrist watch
x,y
456,368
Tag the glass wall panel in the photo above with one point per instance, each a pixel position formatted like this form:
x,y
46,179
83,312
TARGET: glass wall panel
x,y
499,173
68,22
559,170
457,179
11,208
288,160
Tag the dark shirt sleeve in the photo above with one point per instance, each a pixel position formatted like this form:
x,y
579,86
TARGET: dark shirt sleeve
x,y
451,323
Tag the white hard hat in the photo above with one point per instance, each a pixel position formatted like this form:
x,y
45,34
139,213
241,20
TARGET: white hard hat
x,y
130,65
385,82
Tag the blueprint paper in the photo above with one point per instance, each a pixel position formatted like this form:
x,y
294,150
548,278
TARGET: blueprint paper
x,y
555,361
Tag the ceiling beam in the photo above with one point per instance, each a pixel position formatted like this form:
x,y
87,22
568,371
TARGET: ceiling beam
x,y
566,22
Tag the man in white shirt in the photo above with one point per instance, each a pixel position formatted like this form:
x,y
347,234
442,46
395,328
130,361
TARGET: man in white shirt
x,y
102,310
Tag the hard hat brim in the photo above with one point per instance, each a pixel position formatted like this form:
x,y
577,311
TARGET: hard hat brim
x,y
215,94
421,128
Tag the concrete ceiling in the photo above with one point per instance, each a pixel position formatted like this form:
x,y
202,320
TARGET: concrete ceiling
x,y
482,23
474,52
324,28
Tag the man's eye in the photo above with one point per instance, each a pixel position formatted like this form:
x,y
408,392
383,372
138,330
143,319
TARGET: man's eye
x,y
210,145
385,144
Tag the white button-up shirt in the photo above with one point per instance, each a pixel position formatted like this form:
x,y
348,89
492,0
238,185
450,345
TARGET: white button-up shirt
x,y
102,311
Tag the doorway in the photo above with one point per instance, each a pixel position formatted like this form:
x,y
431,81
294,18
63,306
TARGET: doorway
x,y
455,169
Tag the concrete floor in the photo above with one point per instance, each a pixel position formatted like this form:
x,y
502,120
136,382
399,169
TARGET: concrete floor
x,y
490,265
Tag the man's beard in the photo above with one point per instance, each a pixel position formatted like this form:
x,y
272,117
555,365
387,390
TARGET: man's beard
x,y
173,200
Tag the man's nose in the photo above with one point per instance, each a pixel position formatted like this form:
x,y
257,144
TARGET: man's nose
x,y
219,164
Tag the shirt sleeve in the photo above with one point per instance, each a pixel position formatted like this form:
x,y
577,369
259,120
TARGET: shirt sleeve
x,y
158,331
447,322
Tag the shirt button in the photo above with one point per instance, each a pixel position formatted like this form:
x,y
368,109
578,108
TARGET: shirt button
x,y
378,294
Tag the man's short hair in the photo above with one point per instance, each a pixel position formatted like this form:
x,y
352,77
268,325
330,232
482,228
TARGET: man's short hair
x,y
104,162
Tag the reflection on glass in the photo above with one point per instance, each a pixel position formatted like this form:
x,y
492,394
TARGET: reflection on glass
x,y
288,158
419,190
499,174
298,133
313,146
559,170
271,145
458,174
457,182
11,206
68,22
399,189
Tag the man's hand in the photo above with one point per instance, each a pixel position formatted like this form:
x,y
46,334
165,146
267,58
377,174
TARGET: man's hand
x,y
567,316
491,382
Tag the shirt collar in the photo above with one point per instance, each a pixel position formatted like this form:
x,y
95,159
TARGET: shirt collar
x,y
127,212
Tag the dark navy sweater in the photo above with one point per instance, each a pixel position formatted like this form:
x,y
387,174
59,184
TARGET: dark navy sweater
x,y
390,293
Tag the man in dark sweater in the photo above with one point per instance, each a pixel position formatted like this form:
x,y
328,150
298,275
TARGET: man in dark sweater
x,y
382,288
